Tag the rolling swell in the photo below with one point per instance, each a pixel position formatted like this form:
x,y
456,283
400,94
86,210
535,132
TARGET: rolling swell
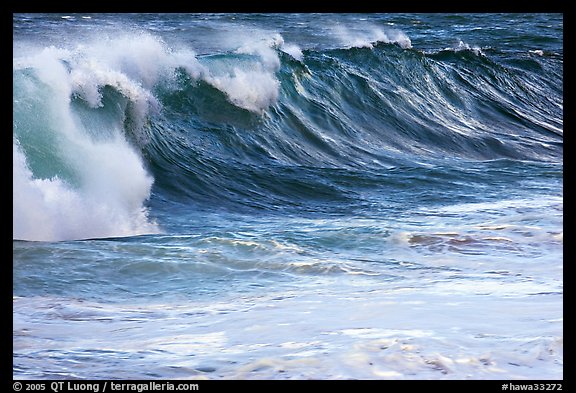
x,y
351,116
269,126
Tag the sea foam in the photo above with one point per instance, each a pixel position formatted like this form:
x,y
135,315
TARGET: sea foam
x,y
107,191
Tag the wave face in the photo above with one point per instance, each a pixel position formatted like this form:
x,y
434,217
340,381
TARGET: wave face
x,y
102,124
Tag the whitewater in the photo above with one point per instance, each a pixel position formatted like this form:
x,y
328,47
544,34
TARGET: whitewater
x,y
288,196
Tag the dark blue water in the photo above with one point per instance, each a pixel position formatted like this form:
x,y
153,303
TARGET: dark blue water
x,y
324,196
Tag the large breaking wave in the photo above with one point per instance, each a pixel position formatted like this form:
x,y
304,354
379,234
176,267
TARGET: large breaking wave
x,y
102,127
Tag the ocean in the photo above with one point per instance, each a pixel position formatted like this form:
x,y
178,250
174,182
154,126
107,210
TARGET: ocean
x,y
287,196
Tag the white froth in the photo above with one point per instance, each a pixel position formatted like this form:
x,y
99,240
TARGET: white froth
x,y
367,35
113,183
